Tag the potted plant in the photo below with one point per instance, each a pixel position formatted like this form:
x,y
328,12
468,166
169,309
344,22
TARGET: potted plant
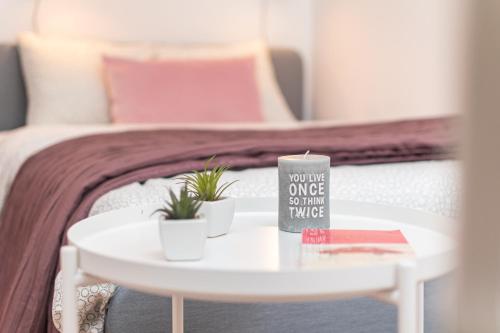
x,y
217,209
183,232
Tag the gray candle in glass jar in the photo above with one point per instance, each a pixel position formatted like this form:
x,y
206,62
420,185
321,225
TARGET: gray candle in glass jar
x,y
304,192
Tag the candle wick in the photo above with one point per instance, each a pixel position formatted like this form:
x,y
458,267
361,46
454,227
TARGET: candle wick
x,y
307,153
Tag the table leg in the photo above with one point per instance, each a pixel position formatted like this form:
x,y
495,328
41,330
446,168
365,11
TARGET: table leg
x,y
177,314
408,305
69,266
420,304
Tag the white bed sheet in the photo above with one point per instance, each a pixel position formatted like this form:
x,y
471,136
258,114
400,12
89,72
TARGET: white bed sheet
x,y
18,145
430,186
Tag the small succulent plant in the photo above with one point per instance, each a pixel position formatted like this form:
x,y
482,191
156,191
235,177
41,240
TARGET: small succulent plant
x,y
184,207
204,185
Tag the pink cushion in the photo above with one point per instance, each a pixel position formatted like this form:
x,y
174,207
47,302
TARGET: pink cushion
x,y
182,90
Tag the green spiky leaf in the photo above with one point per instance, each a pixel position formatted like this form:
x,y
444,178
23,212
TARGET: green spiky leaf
x,y
184,207
204,185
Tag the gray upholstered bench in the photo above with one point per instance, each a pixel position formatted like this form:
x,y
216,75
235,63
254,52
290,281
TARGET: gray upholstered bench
x,y
130,312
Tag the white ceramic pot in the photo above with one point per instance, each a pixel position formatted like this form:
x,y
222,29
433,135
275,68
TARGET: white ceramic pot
x,y
183,239
219,215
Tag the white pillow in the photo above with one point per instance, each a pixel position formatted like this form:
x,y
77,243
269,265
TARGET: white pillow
x,y
65,82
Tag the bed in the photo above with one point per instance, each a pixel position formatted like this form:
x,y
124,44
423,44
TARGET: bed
x,y
425,179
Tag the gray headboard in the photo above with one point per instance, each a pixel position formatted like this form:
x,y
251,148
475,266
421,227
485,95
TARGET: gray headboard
x,y
289,74
12,93
287,64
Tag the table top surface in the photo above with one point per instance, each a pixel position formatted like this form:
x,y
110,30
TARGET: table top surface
x,y
255,261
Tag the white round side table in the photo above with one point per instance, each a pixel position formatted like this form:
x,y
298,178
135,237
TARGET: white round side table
x,y
255,262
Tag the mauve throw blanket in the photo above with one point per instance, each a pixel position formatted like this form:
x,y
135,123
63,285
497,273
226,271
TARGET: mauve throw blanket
x,y
57,187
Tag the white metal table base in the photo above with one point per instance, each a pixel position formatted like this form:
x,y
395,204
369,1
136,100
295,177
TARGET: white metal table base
x,y
69,268
409,296
177,314
410,302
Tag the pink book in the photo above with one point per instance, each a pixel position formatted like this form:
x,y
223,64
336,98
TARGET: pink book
x,y
353,247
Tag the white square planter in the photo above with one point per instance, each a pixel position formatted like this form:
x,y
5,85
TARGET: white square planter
x,y
183,239
219,215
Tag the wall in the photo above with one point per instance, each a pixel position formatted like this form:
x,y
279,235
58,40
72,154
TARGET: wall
x,y
387,58
364,59
15,16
